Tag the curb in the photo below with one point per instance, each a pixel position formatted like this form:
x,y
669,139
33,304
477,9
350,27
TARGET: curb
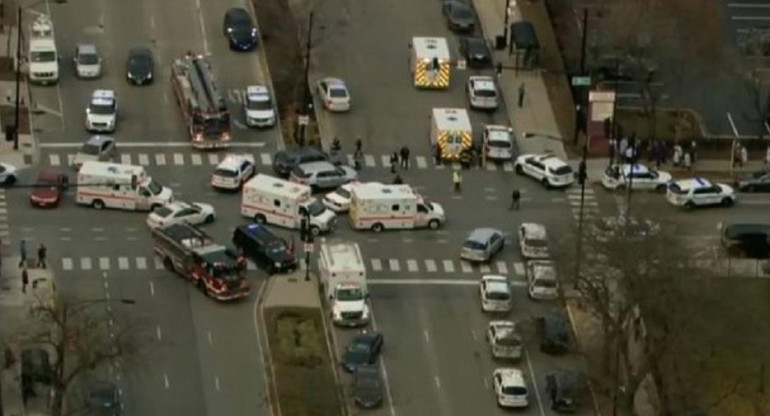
x,y
583,358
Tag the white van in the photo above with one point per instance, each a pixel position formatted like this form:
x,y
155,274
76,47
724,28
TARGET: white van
x,y
112,185
43,57
343,277
271,200
374,206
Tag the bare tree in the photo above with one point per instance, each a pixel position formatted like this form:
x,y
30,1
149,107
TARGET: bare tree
x,y
83,339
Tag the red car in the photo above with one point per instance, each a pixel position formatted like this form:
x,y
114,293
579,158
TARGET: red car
x,y
49,187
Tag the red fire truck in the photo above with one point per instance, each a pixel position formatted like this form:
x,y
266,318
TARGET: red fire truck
x,y
203,107
218,271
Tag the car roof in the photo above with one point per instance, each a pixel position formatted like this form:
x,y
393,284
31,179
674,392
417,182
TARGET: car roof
x,y
366,337
737,230
258,231
496,284
511,376
177,205
98,140
474,41
312,167
481,82
86,48
334,82
257,93
497,132
694,183
234,161
504,329
544,269
483,234
103,96
139,51
534,230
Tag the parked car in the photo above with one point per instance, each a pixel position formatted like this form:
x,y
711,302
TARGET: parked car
x,y
554,333
240,30
367,386
495,293
546,168
475,51
636,176
7,174
563,389
140,67
104,399
363,349
498,142
285,160
699,192
482,92
334,94
482,244
459,16
178,212
50,185
750,240
267,250
88,63
758,181
96,149
322,175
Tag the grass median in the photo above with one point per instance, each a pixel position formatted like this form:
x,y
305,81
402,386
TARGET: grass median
x,y
305,383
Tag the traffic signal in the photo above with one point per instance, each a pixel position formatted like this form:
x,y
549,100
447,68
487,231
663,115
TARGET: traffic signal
x,y
303,230
582,174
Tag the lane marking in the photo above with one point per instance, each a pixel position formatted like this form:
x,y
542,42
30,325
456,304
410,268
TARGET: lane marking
x,y
203,27
394,265
534,383
210,337
166,382
158,263
152,288
178,159
748,6
427,336
369,161
437,381
54,160
430,266
376,265
85,263
466,267
123,263
160,159
196,159
518,267
422,162
144,159
66,263
449,267
213,159
158,333
750,18
141,263
265,158
411,265
216,382
436,282
104,263
125,159
732,124
77,145
484,268
502,268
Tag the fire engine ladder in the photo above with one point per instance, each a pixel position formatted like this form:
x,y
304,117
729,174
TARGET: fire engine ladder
x,y
202,84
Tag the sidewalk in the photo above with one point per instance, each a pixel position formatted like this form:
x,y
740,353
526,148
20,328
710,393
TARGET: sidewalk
x,y
709,168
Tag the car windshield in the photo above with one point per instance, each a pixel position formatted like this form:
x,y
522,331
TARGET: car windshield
x,y
474,245
546,283
90,149
535,242
163,212
316,208
514,390
259,105
139,63
338,93
461,13
359,347
47,56
154,187
214,126
500,144
88,59
561,170
225,173
350,294
102,108
277,246
343,193
495,295
676,189
486,93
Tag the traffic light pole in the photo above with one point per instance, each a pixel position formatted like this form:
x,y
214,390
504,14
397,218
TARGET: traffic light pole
x,y
307,239
18,82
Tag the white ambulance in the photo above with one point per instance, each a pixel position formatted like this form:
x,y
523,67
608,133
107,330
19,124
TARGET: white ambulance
x,y
430,62
377,207
343,278
451,132
276,201
113,185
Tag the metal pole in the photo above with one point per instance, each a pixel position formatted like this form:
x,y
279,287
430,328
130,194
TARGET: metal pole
x,y
579,90
309,240
306,100
505,24
18,82
582,174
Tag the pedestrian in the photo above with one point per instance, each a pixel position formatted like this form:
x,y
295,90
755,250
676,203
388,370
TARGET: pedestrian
x,y
744,156
693,149
41,254
677,156
688,161
663,151
457,180
767,156
22,253
622,146
612,145
359,144
397,180
630,153
336,145
515,198
358,157
437,154
24,280
405,158
521,95
393,162
737,155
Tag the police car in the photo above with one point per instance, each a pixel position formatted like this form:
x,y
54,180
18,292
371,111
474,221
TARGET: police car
x,y
696,192
482,92
259,108
102,112
498,142
551,171
233,172
637,176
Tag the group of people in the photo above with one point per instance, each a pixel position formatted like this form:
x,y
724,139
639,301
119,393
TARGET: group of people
x,y
683,154
42,253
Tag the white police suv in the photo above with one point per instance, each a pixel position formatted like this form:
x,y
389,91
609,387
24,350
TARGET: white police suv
x,y
697,192
102,112
259,108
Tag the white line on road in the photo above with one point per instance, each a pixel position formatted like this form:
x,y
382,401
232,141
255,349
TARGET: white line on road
x,y
437,381
518,267
466,267
486,383
427,336
160,159
158,333
732,124
748,6
473,335
484,268
196,159
376,265
125,159
158,263
152,288
369,161
384,373
144,159
430,266
534,382
178,159
141,263
437,282
203,27
411,265
449,267
394,265
166,382
213,159
265,158
66,263
216,383
422,163
750,18
502,268
210,338
385,160
104,263
123,263
152,22
85,263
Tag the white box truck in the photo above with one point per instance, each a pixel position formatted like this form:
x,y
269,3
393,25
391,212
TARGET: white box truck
x,y
431,64
43,57
114,185
343,279
451,132
267,199
377,207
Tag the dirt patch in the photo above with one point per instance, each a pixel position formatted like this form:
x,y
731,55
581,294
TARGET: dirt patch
x,y
301,362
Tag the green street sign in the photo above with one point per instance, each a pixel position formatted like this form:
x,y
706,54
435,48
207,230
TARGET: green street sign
x,y
581,81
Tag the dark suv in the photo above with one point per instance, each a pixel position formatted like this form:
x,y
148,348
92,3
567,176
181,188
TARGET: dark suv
x,y
266,249
554,333
563,389
747,240
285,160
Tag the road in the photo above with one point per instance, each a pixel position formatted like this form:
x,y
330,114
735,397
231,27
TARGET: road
x,y
204,356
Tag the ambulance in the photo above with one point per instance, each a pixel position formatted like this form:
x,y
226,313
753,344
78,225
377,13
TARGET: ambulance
x,y
343,278
451,132
112,185
271,200
430,62
378,207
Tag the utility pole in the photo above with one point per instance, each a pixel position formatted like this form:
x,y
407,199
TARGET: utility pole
x,y
582,169
505,23
18,81
580,89
307,103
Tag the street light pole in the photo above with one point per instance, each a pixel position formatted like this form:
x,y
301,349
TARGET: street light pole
x,y
582,169
18,81
306,101
505,23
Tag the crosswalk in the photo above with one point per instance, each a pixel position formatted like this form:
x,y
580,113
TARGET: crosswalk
x,y
590,204
375,265
264,159
4,233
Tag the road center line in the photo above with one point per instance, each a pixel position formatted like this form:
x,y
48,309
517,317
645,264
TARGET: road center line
x,y
203,27
152,288
427,336
216,383
388,394
534,383
210,338
166,382
158,333
437,381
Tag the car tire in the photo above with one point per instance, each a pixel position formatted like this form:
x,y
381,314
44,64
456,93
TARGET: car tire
x,y
260,219
314,230
168,264
378,227
209,219
749,188
10,180
519,170
97,204
689,205
433,224
661,189
545,183
727,202
153,207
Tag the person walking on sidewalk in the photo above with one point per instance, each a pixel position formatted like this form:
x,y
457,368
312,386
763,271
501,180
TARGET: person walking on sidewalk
x,y
521,95
677,157
393,162
22,253
457,180
336,145
767,157
358,158
744,156
688,161
24,280
41,255
405,158
515,199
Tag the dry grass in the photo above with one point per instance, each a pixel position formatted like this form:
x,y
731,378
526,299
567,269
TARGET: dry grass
x,y
301,362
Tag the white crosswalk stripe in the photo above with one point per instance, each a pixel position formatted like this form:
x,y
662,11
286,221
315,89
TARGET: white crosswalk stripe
x,y
251,266
141,263
466,267
430,266
411,265
144,159
158,263
484,268
178,159
508,167
70,159
518,267
125,159
502,268
394,265
385,160
369,161
85,263
54,160
449,267
196,159
213,159
123,263
104,263
265,158
66,263
422,162
160,159
376,265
